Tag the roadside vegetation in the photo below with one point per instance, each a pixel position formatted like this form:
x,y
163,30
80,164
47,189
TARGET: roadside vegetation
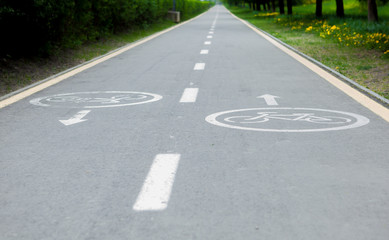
x,y
43,37
350,44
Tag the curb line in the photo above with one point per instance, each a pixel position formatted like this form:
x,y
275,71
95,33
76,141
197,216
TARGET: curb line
x,y
360,94
378,98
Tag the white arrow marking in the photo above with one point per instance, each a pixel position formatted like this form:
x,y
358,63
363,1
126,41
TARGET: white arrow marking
x,y
76,118
270,99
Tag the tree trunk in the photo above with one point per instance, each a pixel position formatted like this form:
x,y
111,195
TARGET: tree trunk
x,y
282,6
319,8
268,4
339,8
273,5
289,5
372,13
258,5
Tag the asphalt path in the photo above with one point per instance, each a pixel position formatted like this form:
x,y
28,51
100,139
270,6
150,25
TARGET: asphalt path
x,y
208,131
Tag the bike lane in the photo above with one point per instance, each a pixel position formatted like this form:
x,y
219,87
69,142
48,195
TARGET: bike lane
x,y
230,183
81,180
248,184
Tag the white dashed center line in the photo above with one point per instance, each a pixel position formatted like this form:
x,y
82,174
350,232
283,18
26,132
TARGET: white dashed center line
x,y
199,66
156,190
207,43
204,51
189,95
209,37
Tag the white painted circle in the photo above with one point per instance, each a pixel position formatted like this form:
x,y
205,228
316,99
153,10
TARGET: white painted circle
x,y
287,119
100,99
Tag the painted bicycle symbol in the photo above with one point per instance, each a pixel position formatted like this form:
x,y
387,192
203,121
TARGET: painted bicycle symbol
x,y
302,117
107,100
96,99
287,119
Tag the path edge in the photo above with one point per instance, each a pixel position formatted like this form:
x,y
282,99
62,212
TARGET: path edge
x,y
372,101
374,96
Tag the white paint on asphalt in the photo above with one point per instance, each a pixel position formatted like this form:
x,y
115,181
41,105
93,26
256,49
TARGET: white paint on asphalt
x,y
290,120
204,51
156,190
210,32
269,99
199,66
209,37
98,99
207,43
189,95
76,118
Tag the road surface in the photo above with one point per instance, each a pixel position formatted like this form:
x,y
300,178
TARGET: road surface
x,y
208,131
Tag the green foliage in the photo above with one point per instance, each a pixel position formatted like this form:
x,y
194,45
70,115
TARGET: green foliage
x,y
39,26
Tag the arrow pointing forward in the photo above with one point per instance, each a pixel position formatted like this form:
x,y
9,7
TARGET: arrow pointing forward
x,y
270,99
76,118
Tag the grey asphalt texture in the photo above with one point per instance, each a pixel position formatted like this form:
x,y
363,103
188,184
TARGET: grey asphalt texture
x,y
81,181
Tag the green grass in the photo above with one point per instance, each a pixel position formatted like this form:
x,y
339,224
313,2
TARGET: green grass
x,y
369,67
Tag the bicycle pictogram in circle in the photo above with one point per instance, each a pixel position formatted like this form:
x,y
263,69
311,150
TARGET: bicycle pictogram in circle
x,y
101,99
287,119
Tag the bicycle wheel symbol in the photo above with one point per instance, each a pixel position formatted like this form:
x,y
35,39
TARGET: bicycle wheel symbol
x,y
287,119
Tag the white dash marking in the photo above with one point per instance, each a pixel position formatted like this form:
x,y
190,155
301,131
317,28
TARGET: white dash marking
x,y
204,51
210,32
209,37
189,95
199,66
207,43
156,190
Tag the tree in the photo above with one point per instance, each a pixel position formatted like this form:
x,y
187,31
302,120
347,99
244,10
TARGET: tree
x,y
264,5
372,13
282,6
258,5
339,8
319,8
289,6
273,5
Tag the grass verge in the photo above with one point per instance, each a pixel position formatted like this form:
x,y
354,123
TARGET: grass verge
x,y
368,67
